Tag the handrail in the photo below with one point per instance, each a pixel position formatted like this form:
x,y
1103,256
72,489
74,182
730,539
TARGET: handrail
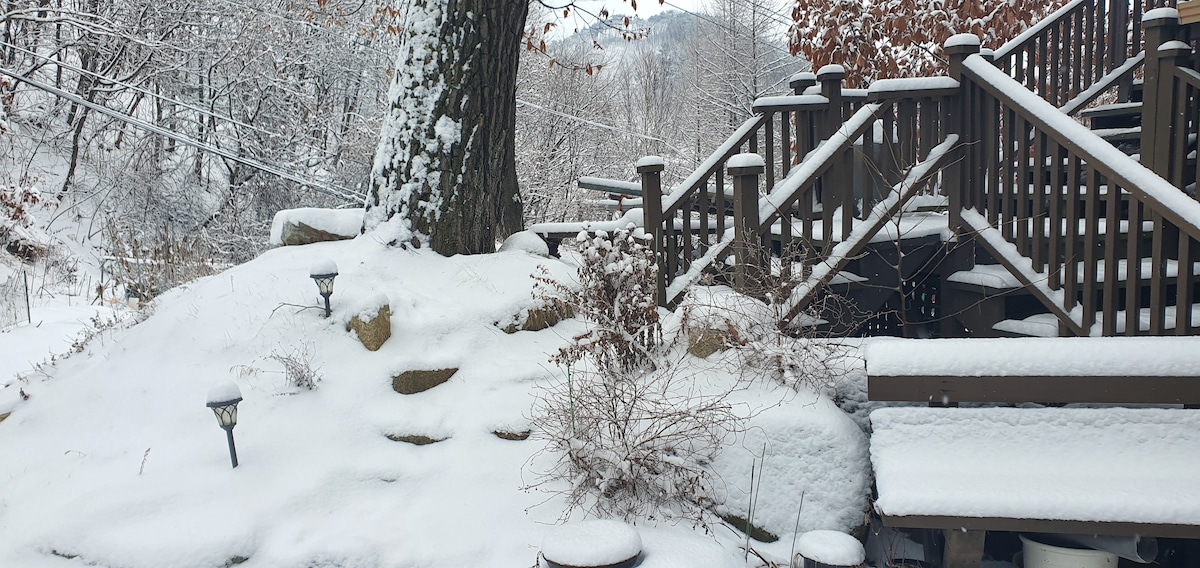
x,y
1024,38
1084,98
1144,184
814,165
713,162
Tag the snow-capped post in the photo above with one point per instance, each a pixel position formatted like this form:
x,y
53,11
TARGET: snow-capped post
x,y
801,81
747,245
957,180
830,77
323,272
1161,26
650,169
223,399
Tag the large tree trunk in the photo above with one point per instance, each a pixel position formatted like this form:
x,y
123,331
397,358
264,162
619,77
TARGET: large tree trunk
x,y
445,169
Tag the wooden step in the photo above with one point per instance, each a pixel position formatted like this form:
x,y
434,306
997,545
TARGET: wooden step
x,y
1117,115
1046,325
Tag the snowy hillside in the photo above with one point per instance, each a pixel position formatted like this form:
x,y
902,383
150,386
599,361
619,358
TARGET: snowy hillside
x,y
113,459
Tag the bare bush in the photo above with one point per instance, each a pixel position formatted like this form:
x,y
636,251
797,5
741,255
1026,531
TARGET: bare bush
x,y
633,430
298,369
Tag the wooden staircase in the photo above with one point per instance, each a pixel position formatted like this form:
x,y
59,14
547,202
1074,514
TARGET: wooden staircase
x,y
973,205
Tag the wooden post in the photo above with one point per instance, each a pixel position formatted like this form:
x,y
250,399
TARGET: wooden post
x,y
830,77
964,549
650,168
1156,93
959,47
801,81
748,249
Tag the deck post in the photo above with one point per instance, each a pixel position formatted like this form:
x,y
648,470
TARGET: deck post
x,y
747,245
1156,95
964,548
831,77
960,175
650,169
801,81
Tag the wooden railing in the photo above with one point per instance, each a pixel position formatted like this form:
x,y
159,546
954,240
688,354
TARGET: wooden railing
x,y
1087,229
1060,57
808,204
1172,89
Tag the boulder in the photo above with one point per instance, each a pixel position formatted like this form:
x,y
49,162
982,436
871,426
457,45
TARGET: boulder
x,y
541,317
301,234
703,342
413,382
310,225
373,330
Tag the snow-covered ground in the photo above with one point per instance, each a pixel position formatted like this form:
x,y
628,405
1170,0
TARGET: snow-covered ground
x,y
114,460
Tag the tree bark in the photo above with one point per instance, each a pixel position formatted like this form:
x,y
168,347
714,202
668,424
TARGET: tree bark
x,y
445,168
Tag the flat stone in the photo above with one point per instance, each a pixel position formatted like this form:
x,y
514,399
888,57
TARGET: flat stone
x,y
542,317
513,436
414,439
413,382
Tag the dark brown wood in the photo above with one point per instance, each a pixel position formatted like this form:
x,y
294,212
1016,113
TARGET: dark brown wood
x,y
1043,526
1038,196
1021,189
652,222
1071,244
1133,270
746,227
1158,282
1050,390
1112,230
1054,193
963,548
1091,252
1184,325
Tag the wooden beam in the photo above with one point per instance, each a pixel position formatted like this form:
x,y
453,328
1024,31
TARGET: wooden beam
x,y
1043,526
1189,11
1016,389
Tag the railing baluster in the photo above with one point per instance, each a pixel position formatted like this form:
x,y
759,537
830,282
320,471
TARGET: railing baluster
x,y
1089,44
1038,193
769,145
1090,231
1071,253
785,140
1111,237
1133,269
1054,192
1055,67
1021,190
1183,286
1158,271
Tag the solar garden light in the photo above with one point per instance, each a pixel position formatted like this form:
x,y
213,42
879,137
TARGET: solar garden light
x,y
323,272
223,399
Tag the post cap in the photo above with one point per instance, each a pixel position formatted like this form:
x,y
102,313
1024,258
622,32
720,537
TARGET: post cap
x,y
962,44
802,80
649,164
831,72
746,165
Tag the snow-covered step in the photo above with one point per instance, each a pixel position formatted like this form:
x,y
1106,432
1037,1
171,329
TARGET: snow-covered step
x,y
1046,325
1082,470
996,277
1116,115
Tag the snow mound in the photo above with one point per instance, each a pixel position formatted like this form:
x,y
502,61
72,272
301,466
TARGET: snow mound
x,y
343,222
812,449
831,547
746,161
527,241
597,542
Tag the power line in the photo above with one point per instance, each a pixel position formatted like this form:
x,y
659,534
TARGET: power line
x,y
601,125
326,188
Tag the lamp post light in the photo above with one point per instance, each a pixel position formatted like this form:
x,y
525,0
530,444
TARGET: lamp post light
x,y
323,272
223,399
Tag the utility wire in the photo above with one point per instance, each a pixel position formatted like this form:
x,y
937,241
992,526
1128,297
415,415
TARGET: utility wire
x,y
347,194
582,120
